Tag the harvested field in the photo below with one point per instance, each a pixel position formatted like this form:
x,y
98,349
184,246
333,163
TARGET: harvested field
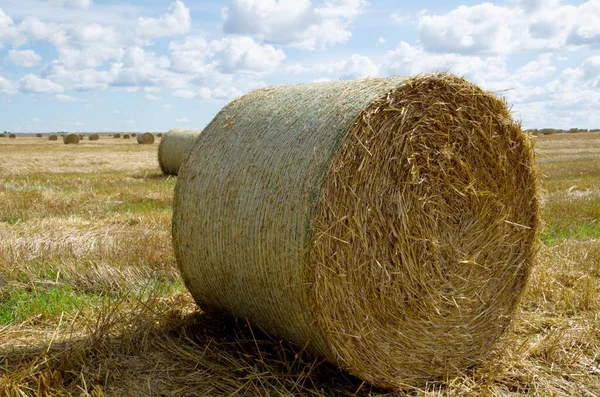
x,y
92,304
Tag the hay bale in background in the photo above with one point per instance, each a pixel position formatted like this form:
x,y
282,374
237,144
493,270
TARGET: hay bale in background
x,y
3,135
145,139
53,137
133,135
94,137
80,137
126,136
71,139
116,135
12,136
388,225
38,135
159,135
174,148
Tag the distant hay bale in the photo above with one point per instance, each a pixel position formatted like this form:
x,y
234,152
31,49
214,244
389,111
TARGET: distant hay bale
x,y
71,139
116,135
133,135
38,135
159,135
94,137
12,135
3,135
53,137
387,225
174,148
80,137
145,139
126,136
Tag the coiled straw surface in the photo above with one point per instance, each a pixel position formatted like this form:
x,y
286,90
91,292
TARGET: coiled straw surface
x,y
388,225
145,139
174,148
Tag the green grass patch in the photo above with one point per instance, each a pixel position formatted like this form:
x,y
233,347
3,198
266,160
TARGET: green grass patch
x,y
21,304
143,205
554,234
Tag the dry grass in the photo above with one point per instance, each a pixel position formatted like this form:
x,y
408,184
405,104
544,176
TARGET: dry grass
x,y
112,319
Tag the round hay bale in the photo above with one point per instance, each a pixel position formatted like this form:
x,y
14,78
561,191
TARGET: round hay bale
x,y
133,135
126,136
94,137
145,139
80,137
38,135
388,225
3,135
174,148
12,136
116,135
159,135
71,139
53,137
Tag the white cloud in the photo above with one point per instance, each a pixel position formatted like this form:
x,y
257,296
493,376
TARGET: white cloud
x,y
182,120
358,66
65,98
166,106
176,21
83,4
243,54
293,22
32,83
408,60
6,87
153,98
400,17
24,58
295,69
538,69
36,120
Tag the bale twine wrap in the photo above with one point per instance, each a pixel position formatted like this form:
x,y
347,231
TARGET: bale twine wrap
x,y
145,139
94,137
70,138
53,137
174,148
389,225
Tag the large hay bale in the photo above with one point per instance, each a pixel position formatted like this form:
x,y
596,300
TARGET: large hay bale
x,y
94,137
116,135
12,136
53,137
388,225
71,139
145,139
174,148
126,136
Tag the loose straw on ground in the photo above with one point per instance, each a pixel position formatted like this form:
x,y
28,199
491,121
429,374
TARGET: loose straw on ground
x,y
388,225
174,148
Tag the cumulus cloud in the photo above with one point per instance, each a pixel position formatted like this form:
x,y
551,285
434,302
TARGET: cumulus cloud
x,y
538,69
297,23
152,98
243,54
6,87
23,58
176,21
182,120
357,66
35,84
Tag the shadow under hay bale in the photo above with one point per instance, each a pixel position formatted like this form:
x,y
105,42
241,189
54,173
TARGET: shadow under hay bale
x,y
71,139
53,137
174,148
145,139
387,225
94,137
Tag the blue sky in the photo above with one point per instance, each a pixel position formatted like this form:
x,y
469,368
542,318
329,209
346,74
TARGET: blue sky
x,y
98,65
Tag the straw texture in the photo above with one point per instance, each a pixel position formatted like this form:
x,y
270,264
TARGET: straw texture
x,y
145,139
174,148
71,139
388,225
